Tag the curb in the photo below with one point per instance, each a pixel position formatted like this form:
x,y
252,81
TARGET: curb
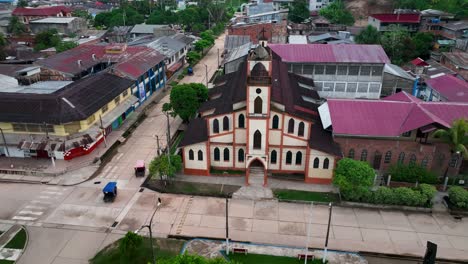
x,y
25,244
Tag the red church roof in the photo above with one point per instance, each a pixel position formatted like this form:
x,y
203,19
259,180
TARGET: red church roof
x,y
388,118
41,11
397,18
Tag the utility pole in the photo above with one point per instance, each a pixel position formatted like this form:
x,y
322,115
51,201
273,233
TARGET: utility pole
x,y
103,131
206,75
218,61
308,233
47,138
157,145
227,227
328,233
6,148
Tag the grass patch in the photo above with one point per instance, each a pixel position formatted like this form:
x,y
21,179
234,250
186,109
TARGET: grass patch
x,y
164,249
305,196
180,76
176,142
192,188
18,241
232,172
173,83
255,258
4,261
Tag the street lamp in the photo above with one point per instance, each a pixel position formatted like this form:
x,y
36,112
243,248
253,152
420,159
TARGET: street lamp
x,y
446,171
153,260
206,75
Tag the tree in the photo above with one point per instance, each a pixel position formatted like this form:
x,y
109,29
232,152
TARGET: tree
x,y
161,166
129,247
337,13
22,3
46,39
456,137
299,11
185,100
354,178
369,35
208,36
423,43
159,17
124,16
3,43
82,13
65,45
193,57
15,26
395,43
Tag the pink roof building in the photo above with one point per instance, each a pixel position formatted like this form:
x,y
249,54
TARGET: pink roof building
x,y
447,88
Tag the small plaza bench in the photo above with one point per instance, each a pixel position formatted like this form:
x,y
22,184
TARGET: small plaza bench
x,y
240,250
303,256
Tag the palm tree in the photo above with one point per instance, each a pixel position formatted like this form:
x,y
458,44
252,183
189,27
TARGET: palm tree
x,y
457,138
16,27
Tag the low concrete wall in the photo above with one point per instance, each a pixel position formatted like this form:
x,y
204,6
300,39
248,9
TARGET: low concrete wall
x,y
386,207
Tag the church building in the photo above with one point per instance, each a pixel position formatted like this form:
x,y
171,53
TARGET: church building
x,y
261,119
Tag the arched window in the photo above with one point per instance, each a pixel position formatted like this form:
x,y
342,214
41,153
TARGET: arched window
x,y
300,131
424,162
412,159
225,123
388,157
364,155
226,154
215,126
275,122
316,163
257,140
273,157
241,121
291,126
200,155
298,158
216,154
240,155
288,157
401,158
351,154
190,155
258,103
326,163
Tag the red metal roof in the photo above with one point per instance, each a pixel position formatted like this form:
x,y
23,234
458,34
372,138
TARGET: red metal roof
x,y
345,53
397,18
41,11
419,62
139,64
450,87
390,118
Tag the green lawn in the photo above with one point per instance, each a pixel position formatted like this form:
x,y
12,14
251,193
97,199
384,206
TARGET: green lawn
x,y
18,241
4,261
192,188
231,172
305,196
164,249
254,259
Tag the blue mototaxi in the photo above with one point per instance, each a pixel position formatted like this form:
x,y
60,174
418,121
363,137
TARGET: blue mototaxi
x,y
110,191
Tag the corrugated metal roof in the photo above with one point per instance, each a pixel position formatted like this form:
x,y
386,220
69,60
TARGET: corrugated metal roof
x,y
345,53
54,20
364,117
397,71
297,39
40,11
147,29
235,41
166,45
450,87
397,18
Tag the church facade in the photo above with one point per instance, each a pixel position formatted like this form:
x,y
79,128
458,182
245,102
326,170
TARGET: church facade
x,y
262,120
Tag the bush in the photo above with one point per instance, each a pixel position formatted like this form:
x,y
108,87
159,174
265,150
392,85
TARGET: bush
x,y
354,179
428,191
384,195
412,173
458,196
421,196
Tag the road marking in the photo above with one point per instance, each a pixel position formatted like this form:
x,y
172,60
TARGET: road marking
x,y
53,188
51,192
44,197
24,218
119,156
40,202
35,207
124,212
30,212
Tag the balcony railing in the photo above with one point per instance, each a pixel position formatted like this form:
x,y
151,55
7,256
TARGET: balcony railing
x,y
259,80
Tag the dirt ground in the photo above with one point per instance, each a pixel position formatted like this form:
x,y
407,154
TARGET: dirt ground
x,y
361,9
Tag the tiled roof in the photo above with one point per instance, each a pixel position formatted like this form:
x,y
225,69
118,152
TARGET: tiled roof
x,y
74,102
397,18
344,53
365,117
40,11
450,87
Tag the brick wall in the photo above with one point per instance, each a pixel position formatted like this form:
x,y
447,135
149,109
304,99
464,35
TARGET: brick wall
x,y
438,154
274,32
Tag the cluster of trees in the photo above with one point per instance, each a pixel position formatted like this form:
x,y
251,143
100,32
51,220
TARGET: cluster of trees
x,y
123,16
337,13
50,38
299,11
185,99
355,179
398,43
457,7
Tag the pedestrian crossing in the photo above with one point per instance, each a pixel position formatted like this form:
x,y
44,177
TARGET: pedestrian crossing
x,y
36,208
110,172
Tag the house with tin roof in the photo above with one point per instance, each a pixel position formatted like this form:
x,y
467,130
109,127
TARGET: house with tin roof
x,y
261,119
383,21
27,14
446,88
396,129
